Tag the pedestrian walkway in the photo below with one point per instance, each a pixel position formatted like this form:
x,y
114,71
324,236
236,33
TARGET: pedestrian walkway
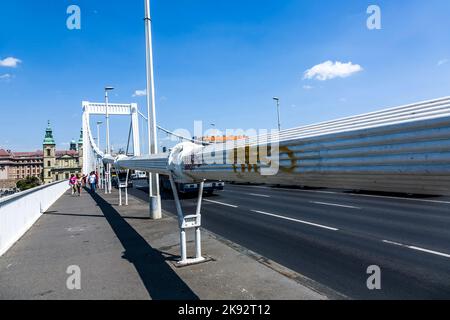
x,y
124,255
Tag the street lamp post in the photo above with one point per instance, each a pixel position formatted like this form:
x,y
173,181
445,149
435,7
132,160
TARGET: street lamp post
x,y
108,186
155,197
99,165
278,111
99,123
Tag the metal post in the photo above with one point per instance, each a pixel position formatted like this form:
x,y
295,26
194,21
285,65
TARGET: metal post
x,y
108,148
183,246
106,178
120,195
108,184
189,222
198,239
180,221
100,181
99,164
109,179
155,197
108,144
97,170
177,201
278,112
98,133
126,188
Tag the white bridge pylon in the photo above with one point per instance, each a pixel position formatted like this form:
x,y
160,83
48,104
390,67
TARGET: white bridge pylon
x,y
91,151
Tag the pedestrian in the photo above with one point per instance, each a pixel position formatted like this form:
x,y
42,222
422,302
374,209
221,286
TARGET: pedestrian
x,y
79,184
97,181
72,183
92,181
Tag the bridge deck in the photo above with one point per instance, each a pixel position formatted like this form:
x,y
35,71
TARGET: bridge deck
x,y
124,255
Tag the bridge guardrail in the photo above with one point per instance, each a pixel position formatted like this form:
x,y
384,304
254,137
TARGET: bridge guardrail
x,y
20,211
404,149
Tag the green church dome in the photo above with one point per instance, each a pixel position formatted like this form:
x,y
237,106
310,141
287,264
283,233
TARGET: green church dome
x,y
49,136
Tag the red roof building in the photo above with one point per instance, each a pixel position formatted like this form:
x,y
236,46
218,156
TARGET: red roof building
x,y
48,164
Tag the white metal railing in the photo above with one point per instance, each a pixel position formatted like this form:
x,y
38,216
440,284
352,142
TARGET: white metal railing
x,y
20,211
404,149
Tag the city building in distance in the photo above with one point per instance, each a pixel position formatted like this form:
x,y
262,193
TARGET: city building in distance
x,y
48,165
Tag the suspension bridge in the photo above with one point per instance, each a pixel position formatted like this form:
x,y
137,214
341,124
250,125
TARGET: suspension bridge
x,y
309,208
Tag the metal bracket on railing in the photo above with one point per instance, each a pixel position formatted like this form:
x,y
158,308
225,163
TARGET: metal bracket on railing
x,y
123,185
189,222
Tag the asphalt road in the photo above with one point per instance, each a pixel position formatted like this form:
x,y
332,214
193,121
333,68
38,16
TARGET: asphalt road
x,y
332,237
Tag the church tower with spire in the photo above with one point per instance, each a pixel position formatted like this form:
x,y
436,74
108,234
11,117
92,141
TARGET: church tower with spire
x,y
49,147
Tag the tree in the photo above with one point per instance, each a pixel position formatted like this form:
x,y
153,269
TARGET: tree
x,y
28,183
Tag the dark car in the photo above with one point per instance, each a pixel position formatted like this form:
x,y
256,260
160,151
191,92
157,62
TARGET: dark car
x,y
189,188
115,182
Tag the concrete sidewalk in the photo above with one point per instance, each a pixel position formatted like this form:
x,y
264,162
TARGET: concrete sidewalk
x,y
124,255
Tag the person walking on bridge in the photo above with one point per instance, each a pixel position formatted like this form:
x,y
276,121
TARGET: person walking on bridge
x,y
78,184
93,181
73,183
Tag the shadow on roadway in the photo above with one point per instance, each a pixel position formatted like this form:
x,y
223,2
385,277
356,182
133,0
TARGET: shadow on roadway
x,y
161,282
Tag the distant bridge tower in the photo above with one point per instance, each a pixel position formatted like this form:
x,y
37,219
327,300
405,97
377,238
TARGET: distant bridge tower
x,y
91,152
81,150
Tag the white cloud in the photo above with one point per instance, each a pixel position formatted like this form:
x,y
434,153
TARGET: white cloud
x,y
306,87
6,76
330,70
10,62
140,93
441,62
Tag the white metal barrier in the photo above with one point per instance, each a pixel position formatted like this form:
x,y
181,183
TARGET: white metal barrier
x,y
19,212
403,149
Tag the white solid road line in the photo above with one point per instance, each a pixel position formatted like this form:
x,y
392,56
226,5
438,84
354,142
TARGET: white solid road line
x,y
250,194
258,195
353,194
417,248
221,203
334,205
397,198
295,220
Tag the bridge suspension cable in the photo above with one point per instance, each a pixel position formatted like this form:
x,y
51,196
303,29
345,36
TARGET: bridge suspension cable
x,y
404,149
183,138
174,134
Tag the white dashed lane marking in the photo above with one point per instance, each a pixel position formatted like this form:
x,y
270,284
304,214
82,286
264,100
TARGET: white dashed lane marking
x,y
295,220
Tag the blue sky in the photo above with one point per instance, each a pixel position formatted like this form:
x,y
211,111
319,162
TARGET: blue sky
x,y
218,61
